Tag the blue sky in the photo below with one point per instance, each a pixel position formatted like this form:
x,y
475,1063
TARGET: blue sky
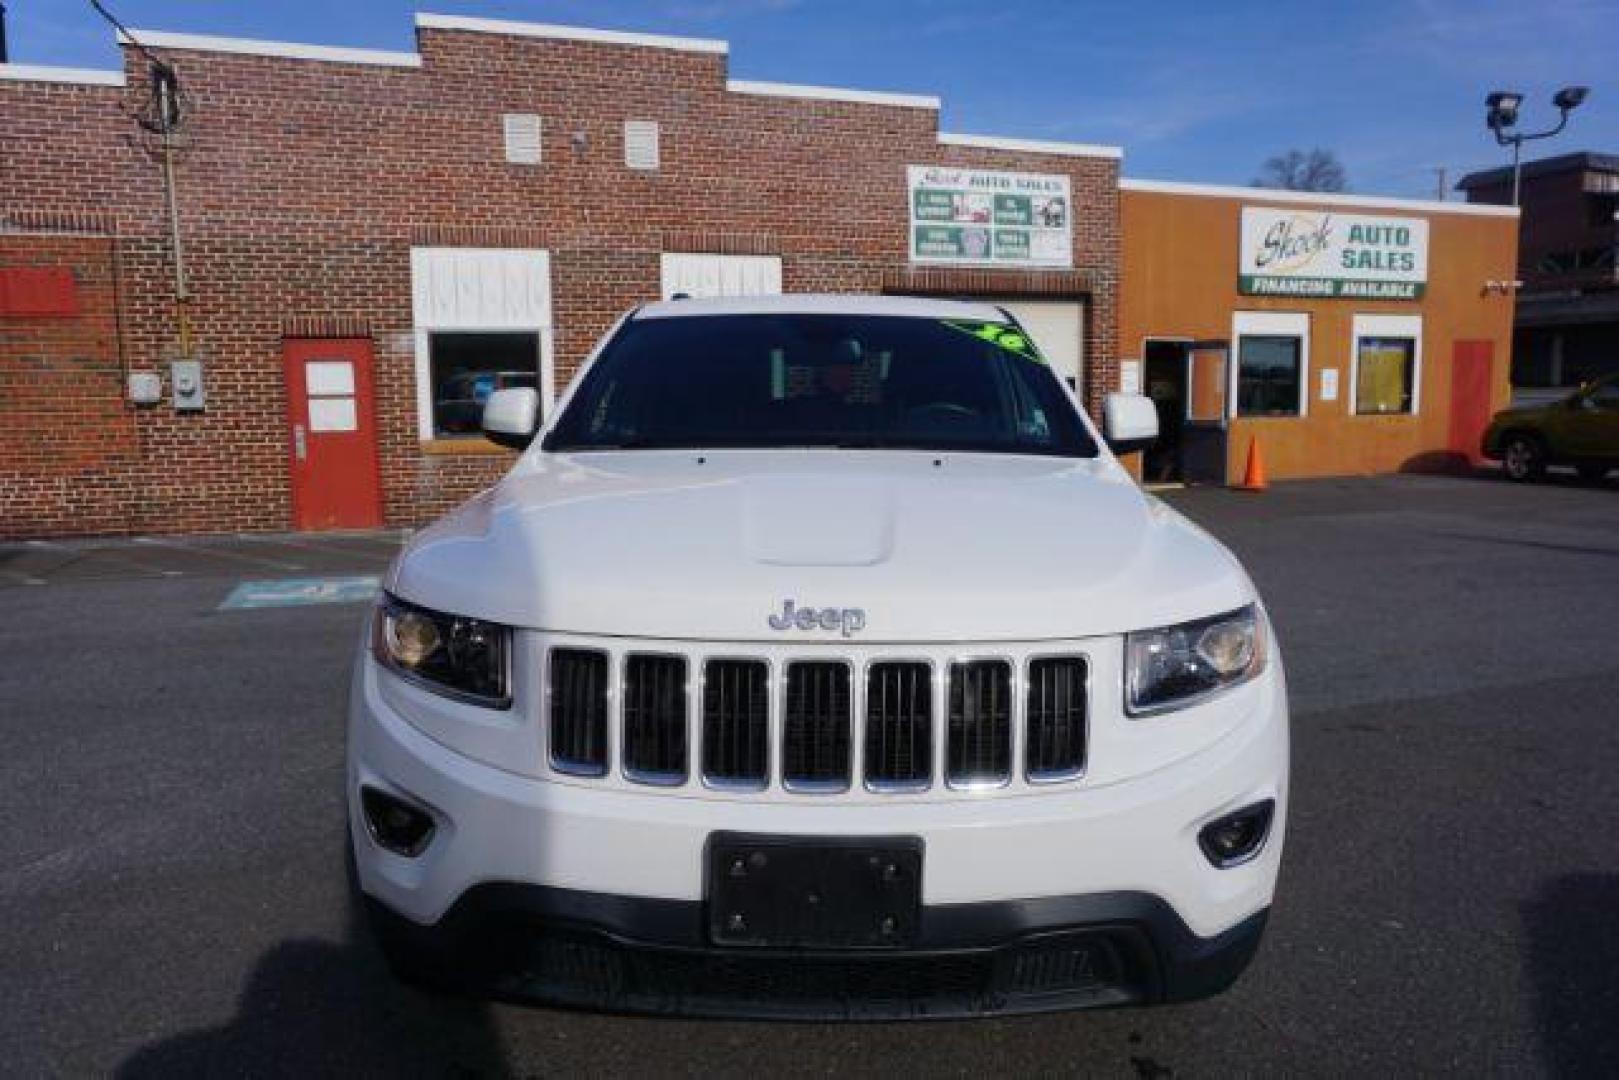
x,y
1192,91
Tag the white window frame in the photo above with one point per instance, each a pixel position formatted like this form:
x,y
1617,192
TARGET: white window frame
x,y
516,129
1393,326
1268,324
675,266
650,134
496,291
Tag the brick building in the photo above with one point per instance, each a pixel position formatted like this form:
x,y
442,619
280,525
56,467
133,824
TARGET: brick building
x,y
507,190
374,240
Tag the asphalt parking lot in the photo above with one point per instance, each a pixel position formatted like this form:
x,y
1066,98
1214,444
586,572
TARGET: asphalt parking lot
x,y
173,897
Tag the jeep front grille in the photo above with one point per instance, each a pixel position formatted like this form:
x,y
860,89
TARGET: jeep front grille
x,y
816,721
655,718
899,726
980,724
815,726
1055,725
579,711
736,723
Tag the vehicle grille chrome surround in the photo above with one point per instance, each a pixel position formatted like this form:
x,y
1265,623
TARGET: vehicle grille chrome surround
x,y
979,724
899,725
577,693
822,720
816,715
1056,711
736,724
654,705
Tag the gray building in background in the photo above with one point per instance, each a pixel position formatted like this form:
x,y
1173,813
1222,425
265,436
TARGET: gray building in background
x,y
1567,326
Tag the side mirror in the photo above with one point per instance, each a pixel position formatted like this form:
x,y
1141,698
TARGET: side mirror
x,y
1129,422
510,417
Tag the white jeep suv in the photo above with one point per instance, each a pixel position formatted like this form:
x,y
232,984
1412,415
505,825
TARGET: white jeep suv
x,y
818,659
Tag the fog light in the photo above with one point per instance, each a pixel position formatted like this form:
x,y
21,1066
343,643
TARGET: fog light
x,y
394,823
1234,839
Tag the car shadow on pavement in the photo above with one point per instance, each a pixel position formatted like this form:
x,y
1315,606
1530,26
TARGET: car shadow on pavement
x,y
314,1008
1572,928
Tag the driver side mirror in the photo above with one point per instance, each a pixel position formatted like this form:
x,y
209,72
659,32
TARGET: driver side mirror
x,y
1129,422
510,417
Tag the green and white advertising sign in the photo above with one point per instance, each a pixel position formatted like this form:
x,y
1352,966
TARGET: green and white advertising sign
x,y
1322,253
974,217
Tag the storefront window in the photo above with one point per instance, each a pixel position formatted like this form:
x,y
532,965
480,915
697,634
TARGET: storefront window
x,y
1385,373
468,367
1269,375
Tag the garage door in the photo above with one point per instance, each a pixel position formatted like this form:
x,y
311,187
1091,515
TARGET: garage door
x,y
1055,326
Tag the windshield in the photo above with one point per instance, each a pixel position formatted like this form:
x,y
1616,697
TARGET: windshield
x,y
821,380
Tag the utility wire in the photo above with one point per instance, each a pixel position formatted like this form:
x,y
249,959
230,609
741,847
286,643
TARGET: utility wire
x,y
124,30
168,106
167,114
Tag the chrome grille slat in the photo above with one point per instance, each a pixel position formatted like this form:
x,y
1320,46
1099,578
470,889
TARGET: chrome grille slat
x,y
578,700
979,723
654,710
899,726
815,726
1055,717
736,723
816,721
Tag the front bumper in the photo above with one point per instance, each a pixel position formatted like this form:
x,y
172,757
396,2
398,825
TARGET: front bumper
x,y
592,893
637,955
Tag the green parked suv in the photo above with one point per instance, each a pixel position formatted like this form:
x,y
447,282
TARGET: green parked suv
x,y
1581,430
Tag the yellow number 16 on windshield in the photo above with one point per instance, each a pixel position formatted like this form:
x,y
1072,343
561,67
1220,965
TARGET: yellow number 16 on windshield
x,y
1000,334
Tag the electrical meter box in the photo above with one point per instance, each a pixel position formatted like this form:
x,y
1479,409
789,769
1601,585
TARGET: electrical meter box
x,y
145,387
185,376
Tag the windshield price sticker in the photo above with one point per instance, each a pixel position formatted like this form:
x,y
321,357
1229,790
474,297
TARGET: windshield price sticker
x,y
1000,335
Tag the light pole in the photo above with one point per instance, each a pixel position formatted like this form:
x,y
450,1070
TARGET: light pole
x,y
1503,114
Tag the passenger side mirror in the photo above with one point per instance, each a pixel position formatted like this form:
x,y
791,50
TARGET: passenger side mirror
x,y
1129,422
510,417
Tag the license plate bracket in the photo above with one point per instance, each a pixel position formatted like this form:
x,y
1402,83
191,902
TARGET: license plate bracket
x,y
795,892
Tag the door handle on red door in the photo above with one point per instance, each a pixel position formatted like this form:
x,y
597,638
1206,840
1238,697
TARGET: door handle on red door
x,y
300,445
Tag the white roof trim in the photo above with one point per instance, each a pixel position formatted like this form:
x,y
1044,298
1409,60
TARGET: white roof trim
x,y
1032,146
163,39
832,93
924,307
1316,198
429,21
40,73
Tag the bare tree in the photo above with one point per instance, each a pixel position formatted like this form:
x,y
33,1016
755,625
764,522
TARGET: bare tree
x,y
1299,170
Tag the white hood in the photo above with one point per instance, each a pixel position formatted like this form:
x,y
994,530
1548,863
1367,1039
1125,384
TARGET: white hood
x,y
932,547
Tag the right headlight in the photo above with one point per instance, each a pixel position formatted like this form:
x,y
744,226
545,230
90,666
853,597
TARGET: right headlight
x,y
1171,667
458,657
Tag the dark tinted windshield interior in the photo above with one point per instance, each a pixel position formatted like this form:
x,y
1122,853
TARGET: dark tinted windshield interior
x,y
821,380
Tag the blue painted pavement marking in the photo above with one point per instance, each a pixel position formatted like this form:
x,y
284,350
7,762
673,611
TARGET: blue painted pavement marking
x,y
296,592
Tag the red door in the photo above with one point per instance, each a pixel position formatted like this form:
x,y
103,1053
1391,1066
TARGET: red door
x,y
1472,373
332,444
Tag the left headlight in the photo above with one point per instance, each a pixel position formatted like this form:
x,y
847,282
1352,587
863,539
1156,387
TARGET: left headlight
x,y
1172,667
466,659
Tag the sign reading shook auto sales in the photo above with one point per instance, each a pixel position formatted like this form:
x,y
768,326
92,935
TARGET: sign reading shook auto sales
x,y
1322,253
979,218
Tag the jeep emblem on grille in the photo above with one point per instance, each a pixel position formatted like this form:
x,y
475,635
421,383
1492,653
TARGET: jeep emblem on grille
x,y
848,620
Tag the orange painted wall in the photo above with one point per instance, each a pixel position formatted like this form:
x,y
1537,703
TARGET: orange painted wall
x,y
1180,281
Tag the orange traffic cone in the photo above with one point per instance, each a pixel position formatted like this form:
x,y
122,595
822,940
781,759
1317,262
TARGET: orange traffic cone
x,y
1253,478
